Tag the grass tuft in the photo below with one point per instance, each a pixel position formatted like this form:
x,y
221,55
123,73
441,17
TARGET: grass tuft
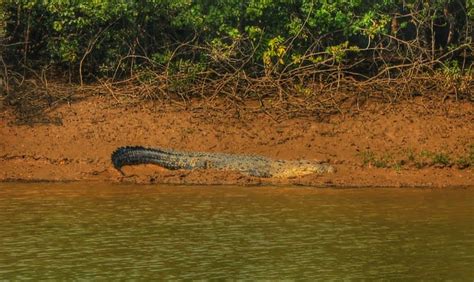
x,y
423,159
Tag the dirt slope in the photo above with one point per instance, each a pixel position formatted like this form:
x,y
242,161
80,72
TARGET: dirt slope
x,y
387,145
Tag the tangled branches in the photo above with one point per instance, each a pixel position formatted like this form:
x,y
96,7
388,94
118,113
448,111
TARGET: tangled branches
x,y
290,63
317,84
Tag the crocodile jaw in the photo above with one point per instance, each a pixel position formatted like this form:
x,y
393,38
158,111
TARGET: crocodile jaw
x,y
298,170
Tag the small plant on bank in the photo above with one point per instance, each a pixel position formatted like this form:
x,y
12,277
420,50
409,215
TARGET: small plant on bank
x,y
411,155
419,160
440,159
423,159
370,158
367,157
398,165
428,158
466,160
463,163
383,161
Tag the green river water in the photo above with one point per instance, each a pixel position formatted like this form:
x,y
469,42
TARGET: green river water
x,y
103,231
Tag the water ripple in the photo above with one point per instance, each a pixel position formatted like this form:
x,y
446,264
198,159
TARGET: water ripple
x,y
90,231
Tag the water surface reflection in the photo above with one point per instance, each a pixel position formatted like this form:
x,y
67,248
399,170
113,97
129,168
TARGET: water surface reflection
x,y
58,231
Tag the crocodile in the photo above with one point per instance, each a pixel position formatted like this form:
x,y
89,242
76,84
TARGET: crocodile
x,y
250,165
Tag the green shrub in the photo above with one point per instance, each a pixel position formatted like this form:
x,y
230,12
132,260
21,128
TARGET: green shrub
x,y
111,37
441,159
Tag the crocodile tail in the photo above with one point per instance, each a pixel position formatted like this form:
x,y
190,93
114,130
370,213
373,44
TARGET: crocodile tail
x,y
126,156
133,155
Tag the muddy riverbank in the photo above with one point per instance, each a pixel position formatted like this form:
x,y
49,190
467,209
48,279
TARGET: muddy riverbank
x,y
414,143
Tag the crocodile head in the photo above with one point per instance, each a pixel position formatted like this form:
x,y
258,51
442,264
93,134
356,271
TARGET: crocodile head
x,y
300,168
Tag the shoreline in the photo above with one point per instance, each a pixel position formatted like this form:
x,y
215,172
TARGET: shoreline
x,y
260,185
402,145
